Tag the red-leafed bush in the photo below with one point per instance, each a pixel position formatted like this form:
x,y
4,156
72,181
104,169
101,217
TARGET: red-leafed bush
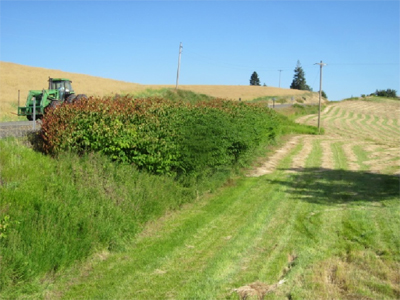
x,y
157,134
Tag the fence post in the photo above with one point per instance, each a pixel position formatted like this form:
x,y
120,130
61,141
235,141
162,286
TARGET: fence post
x,y
34,114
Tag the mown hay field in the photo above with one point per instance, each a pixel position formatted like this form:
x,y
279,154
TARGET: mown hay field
x,y
367,133
318,220
14,77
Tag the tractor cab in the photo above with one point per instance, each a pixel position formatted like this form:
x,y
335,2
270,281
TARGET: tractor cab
x,y
63,86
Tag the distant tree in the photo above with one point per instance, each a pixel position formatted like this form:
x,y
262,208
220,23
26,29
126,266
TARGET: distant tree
x,y
299,80
323,94
254,80
386,93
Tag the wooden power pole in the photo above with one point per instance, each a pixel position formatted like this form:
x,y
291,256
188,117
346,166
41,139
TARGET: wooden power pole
x,y
179,65
280,77
321,64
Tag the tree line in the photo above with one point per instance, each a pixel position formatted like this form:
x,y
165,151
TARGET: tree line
x,y
298,83
390,93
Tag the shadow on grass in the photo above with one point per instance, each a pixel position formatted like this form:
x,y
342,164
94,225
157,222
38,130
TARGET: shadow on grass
x,y
330,187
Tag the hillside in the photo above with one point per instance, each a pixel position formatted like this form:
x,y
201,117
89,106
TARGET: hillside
x,y
14,77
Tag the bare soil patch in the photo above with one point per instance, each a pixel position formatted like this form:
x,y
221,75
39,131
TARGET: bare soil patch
x,y
270,165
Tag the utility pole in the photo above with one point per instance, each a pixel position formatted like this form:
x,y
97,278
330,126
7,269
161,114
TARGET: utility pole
x,y
320,93
280,77
179,65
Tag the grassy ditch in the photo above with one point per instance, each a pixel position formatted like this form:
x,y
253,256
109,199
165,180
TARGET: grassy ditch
x,y
58,210
54,212
322,233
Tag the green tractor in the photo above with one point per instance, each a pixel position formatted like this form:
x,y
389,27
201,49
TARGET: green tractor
x,y
38,101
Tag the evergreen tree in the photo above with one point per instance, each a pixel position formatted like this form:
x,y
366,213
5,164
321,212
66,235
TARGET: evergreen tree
x,y
299,80
254,80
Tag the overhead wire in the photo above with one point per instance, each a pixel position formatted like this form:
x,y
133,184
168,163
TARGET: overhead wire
x,y
215,61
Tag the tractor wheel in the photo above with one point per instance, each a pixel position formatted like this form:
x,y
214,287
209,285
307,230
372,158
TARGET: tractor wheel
x,y
30,117
80,96
70,98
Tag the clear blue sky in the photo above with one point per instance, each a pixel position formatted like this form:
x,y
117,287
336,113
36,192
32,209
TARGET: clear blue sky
x,y
223,41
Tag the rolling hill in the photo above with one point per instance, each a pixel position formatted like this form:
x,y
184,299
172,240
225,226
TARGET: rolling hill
x,y
14,77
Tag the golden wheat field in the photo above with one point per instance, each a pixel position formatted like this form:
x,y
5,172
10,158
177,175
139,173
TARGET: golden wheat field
x,y
14,77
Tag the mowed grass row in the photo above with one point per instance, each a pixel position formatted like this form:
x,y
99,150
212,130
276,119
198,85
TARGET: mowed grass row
x,y
369,128
329,233
364,119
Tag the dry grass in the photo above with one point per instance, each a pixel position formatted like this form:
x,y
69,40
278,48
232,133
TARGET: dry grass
x,y
378,141
245,92
14,77
255,290
364,272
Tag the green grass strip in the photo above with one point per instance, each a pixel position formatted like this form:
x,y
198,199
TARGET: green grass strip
x,y
314,160
362,156
339,155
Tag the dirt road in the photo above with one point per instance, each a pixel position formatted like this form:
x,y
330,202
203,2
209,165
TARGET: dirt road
x,y
17,129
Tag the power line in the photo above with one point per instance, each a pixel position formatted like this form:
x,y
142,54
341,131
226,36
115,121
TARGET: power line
x,y
362,64
216,61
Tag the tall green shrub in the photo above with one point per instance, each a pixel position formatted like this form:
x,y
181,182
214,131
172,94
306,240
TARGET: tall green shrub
x,y
160,135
